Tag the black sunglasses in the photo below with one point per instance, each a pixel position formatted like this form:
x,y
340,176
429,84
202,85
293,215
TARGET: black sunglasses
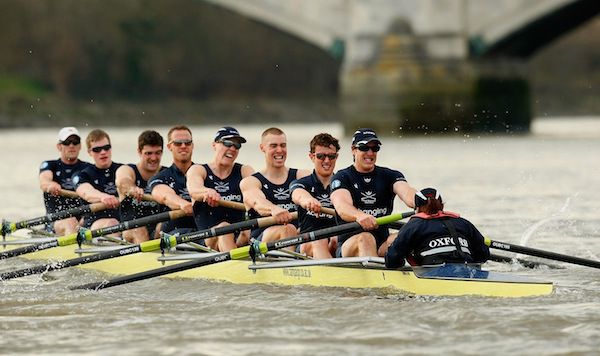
x,y
322,156
101,148
71,141
228,143
365,148
178,143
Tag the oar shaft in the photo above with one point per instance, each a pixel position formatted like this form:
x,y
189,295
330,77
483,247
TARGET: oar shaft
x,y
240,253
540,253
132,224
147,246
9,227
30,248
90,234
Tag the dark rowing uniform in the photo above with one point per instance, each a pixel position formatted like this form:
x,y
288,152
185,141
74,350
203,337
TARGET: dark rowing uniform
x,y
102,180
372,193
62,174
427,240
307,220
278,194
229,189
131,209
175,179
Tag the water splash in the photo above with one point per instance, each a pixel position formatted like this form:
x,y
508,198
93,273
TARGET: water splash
x,y
529,232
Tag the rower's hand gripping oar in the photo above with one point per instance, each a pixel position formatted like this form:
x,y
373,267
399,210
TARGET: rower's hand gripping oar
x,y
243,252
541,253
88,235
147,246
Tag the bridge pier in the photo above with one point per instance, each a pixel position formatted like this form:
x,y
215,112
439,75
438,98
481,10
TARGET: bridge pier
x,y
402,91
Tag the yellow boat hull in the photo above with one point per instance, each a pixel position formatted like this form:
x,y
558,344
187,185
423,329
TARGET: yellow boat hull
x,y
237,272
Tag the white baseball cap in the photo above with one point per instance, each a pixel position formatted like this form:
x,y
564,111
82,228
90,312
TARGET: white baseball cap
x,y
65,132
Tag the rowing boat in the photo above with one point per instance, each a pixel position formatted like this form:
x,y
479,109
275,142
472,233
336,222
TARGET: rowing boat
x,y
362,272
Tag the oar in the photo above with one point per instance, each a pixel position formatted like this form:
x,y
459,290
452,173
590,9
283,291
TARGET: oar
x,y
88,235
540,253
8,227
243,252
72,194
147,246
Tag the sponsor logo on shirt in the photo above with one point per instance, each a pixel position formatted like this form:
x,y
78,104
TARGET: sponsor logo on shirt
x,y
222,187
281,194
368,197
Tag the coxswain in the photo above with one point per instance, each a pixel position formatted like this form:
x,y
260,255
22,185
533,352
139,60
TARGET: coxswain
x,y
434,236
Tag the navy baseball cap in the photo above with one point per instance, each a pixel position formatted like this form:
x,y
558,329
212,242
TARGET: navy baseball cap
x,y
364,136
228,132
422,196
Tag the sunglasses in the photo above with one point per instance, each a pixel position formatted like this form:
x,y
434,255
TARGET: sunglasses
x,y
101,148
180,143
365,148
71,141
228,143
322,156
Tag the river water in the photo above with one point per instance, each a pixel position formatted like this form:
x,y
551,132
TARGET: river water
x,y
541,190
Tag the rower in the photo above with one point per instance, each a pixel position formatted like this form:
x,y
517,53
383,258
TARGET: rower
x,y
312,192
266,193
365,191
56,175
96,184
169,187
132,184
434,236
219,180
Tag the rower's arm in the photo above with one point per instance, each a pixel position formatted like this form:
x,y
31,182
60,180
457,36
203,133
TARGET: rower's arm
x,y
165,195
342,202
195,182
304,199
90,194
254,198
405,192
125,182
47,183
247,171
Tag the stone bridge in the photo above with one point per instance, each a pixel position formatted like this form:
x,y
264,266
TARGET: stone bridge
x,y
427,65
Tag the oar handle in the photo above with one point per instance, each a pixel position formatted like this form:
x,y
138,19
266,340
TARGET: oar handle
x,y
269,220
68,194
329,211
232,205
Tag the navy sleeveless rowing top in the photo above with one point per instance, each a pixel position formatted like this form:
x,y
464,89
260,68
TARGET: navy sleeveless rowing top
x,y
371,193
62,174
278,194
229,189
307,220
102,180
131,208
175,179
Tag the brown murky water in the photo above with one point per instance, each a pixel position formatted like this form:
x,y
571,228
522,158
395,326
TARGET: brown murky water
x,y
541,190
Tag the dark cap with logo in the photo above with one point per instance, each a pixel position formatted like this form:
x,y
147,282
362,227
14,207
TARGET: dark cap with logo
x,y
228,132
364,136
422,196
